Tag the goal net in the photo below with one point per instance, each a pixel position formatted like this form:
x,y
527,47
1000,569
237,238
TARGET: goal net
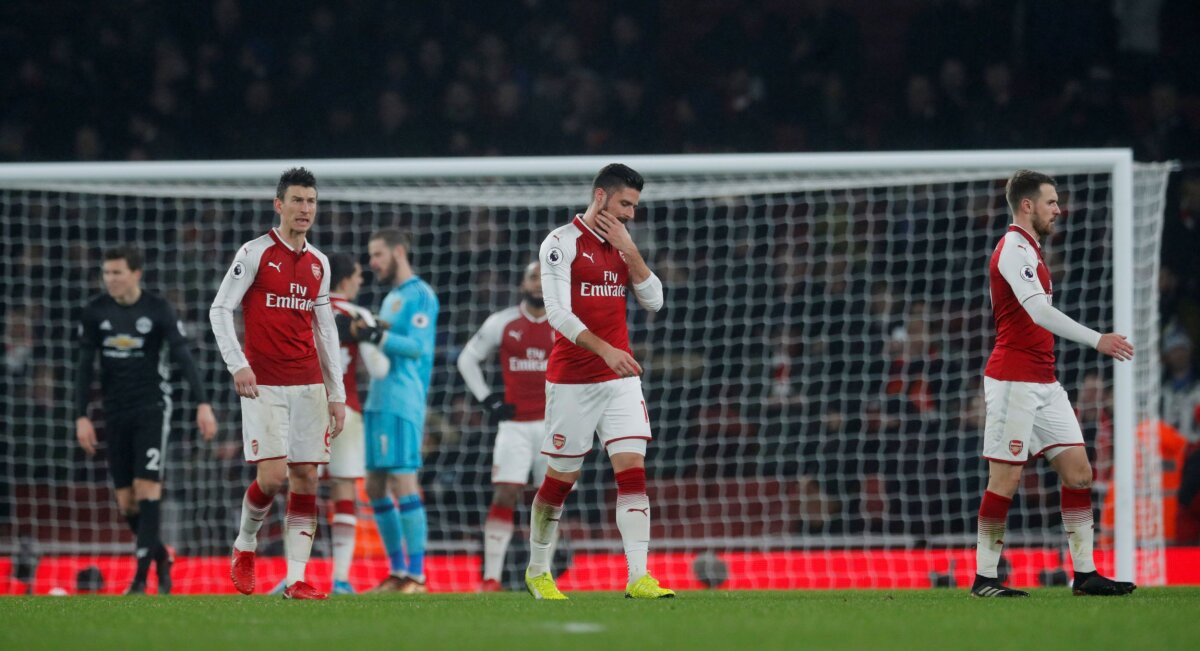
x,y
814,379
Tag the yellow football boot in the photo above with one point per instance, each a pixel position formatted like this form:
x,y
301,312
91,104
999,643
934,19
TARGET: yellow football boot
x,y
647,587
542,587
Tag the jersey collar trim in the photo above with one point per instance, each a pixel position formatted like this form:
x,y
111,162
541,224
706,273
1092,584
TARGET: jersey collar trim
x,y
587,229
274,232
1013,228
530,317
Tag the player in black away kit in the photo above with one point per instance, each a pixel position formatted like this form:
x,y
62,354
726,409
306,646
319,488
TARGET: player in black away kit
x,y
130,327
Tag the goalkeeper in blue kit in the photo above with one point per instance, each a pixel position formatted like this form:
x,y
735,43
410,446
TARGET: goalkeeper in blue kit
x,y
394,415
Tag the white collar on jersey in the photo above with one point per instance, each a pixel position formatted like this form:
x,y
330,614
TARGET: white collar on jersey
x,y
284,242
584,223
1027,234
527,315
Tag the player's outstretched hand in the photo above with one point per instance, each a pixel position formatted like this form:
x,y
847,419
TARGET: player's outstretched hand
x,y
622,363
246,383
337,418
1115,346
85,432
615,232
206,421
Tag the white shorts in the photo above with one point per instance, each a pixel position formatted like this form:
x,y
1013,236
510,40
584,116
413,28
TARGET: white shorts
x,y
1027,420
287,423
614,410
347,452
517,452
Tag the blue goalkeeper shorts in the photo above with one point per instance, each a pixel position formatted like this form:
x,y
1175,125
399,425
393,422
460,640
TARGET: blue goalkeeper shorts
x,y
393,443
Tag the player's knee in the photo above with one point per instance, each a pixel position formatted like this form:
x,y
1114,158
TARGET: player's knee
x,y
303,478
376,485
1078,478
1004,480
146,490
569,476
271,480
404,483
506,496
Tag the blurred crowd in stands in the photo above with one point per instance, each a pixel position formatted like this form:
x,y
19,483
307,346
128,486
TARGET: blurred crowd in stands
x,y
228,79
216,79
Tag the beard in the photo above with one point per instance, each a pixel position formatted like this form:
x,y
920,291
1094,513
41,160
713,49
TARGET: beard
x,y
387,274
537,302
1044,228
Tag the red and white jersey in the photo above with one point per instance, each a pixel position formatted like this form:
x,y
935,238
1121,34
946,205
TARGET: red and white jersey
x,y
280,291
1024,351
524,343
585,281
349,352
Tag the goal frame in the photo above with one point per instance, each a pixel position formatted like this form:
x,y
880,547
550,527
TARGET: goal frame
x,y
1116,162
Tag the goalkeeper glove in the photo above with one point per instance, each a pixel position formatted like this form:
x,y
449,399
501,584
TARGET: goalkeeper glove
x,y
498,410
369,334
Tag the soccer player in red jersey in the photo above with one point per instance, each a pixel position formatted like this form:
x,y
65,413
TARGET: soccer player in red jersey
x,y
1028,412
592,384
347,456
290,381
523,338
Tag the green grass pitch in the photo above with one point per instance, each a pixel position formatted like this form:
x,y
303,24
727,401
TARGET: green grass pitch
x,y
1162,618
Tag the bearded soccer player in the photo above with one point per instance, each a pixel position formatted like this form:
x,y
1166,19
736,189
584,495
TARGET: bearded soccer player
x,y
394,415
130,328
289,377
346,453
523,338
1028,412
592,384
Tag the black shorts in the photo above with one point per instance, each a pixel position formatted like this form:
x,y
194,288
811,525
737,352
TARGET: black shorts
x,y
137,444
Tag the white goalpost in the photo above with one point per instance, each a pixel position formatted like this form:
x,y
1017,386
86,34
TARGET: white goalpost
x,y
813,381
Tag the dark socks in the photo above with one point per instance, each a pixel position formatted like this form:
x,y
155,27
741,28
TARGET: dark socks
x,y
148,544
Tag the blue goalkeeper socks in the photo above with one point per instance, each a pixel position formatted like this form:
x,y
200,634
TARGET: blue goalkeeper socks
x,y
387,519
416,532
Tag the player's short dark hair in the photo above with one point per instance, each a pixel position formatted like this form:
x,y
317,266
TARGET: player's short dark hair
x,y
615,176
129,254
1025,184
341,267
393,237
294,176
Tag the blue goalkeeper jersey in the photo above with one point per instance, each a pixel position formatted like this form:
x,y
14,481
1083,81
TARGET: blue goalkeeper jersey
x,y
411,312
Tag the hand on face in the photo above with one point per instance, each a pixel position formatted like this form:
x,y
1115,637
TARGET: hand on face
x,y
613,230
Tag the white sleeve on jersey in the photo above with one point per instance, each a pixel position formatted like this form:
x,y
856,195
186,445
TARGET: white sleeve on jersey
x,y
1052,319
1019,266
237,281
649,293
556,256
482,345
378,365
328,347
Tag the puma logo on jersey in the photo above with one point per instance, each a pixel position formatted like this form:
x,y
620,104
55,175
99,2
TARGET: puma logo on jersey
x,y
305,533
515,334
588,256
276,266
645,511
